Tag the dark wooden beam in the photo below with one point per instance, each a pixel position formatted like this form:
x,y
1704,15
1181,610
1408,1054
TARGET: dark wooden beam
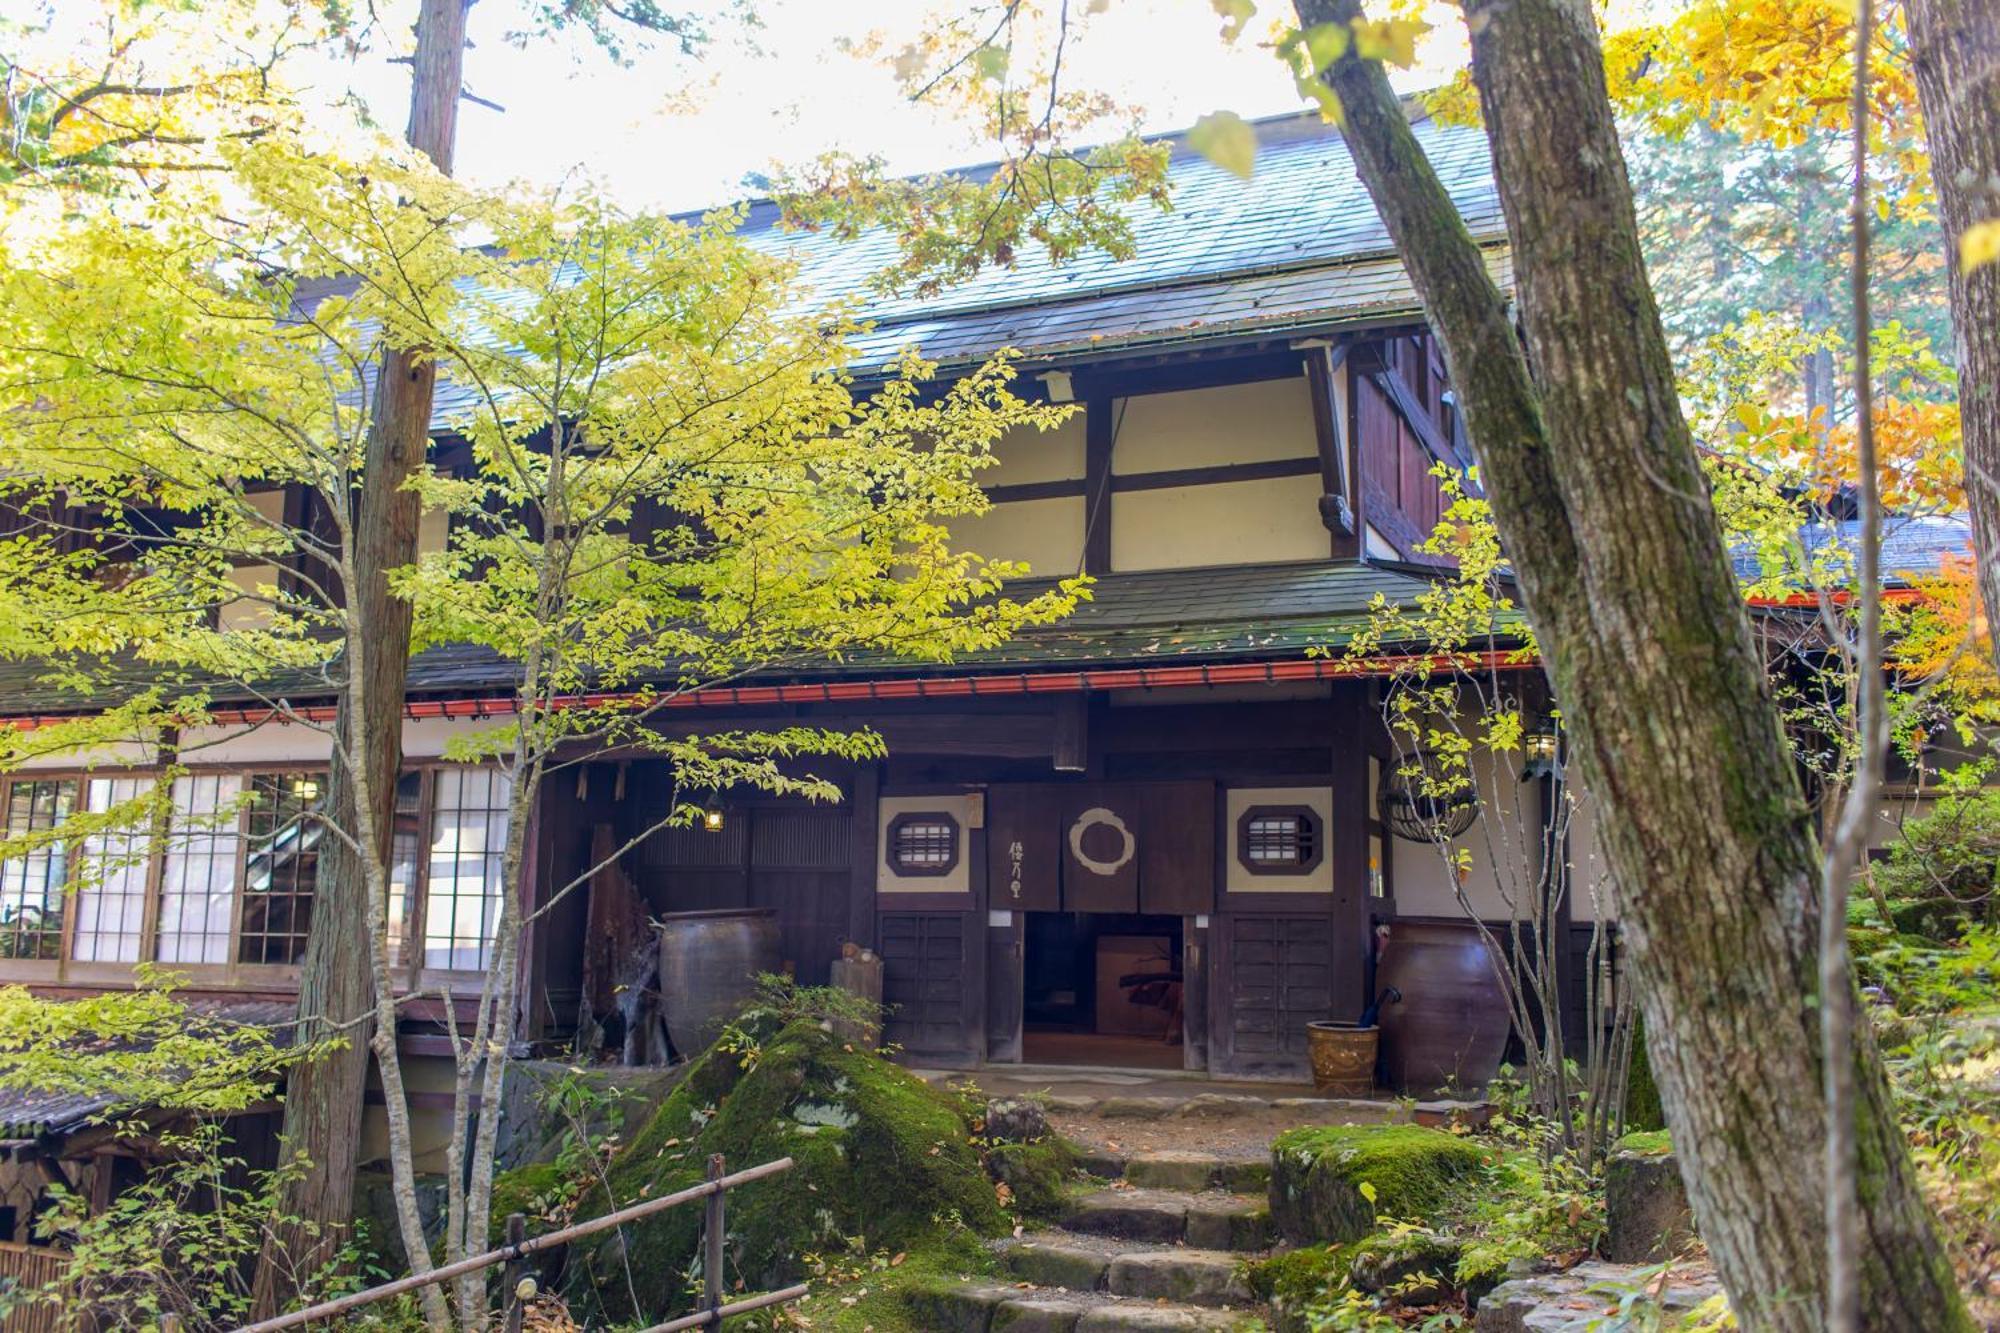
x,y
1336,459
1264,469
1071,744
1347,841
1277,363
863,800
1100,433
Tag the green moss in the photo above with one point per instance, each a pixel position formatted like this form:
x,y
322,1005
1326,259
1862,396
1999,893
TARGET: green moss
x,y
879,1157
1652,1142
1038,1174
1642,1094
904,1297
1297,1277
532,1191
1317,1174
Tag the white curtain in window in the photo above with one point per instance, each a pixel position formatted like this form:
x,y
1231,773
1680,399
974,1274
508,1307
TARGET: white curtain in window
x,y
198,872
468,840
111,895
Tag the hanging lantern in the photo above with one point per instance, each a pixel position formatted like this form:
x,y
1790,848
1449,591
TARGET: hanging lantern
x,y
1421,803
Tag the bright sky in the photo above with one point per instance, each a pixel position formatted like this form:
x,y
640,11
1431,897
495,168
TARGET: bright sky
x,y
671,132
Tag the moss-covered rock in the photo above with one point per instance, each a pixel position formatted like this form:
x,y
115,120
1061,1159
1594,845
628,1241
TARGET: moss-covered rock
x,y
878,1155
1038,1175
1642,1095
1317,1174
1652,1142
537,1191
1412,1266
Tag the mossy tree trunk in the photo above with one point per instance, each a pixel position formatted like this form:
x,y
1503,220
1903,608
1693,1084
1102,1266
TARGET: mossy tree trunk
x,y
1955,47
1599,497
324,1096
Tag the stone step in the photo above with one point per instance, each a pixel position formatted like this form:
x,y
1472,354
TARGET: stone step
x,y
1089,1263
1211,1221
1194,1171
975,1307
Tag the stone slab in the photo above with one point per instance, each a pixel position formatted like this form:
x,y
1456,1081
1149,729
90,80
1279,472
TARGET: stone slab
x,y
1132,1317
1102,1163
1053,1264
1191,1277
1228,1222
1152,1215
1167,1170
1579,1300
1036,1314
1343,1110
1136,1108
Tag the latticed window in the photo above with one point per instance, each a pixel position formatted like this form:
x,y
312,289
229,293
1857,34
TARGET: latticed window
x,y
198,872
1277,840
924,843
111,890
463,886
33,885
284,836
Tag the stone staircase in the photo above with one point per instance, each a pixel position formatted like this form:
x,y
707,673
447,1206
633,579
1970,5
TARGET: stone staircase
x,y
1161,1246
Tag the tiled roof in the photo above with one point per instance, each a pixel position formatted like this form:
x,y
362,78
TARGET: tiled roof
x,y
27,1113
1915,545
1304,208
1299,245
1223,614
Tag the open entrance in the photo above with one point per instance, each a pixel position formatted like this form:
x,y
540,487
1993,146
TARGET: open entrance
x,y
1102,988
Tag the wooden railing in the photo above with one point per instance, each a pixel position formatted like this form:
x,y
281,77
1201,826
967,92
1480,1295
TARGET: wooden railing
x,y
31,1269
711,1315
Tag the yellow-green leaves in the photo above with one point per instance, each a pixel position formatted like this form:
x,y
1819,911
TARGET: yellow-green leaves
x,y
1979,246
1226,139
1235,15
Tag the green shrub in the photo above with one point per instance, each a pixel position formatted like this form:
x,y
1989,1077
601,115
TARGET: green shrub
x,y
1942,875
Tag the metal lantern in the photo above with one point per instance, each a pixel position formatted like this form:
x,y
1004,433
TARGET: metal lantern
x,y
1412,807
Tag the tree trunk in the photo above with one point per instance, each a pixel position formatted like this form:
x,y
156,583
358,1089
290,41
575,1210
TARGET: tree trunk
x,y
1601,503
324,1097
1955,46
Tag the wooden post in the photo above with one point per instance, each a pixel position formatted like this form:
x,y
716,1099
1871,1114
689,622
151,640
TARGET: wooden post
x,y
514,1272
1100,434
711,1273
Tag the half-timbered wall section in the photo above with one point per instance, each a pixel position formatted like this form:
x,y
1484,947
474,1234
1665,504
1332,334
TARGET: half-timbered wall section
x,y
1405,425
1294,452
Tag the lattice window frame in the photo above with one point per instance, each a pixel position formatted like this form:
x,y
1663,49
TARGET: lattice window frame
x,y
1310,835
953,848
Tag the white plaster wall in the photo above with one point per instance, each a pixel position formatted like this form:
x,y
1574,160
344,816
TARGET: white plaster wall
x,y
1506,834
1232,523
254,608
433,531
1045,534
1234,423
1026,454
120,755
956,880
1592,888
1237,879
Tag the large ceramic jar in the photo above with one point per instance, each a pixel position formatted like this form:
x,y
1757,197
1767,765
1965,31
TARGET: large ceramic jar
x,y
709,963
1449,1031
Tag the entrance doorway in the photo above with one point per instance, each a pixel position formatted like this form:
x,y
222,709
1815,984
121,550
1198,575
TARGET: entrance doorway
x,y
1102,988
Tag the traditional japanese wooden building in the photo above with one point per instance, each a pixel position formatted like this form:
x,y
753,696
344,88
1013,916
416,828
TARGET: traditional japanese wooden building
x,y
1145,836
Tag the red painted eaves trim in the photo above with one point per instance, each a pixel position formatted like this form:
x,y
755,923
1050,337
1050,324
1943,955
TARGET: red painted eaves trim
x,y
998,685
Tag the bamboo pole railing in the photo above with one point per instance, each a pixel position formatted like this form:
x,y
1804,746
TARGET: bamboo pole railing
x,y
711,1316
